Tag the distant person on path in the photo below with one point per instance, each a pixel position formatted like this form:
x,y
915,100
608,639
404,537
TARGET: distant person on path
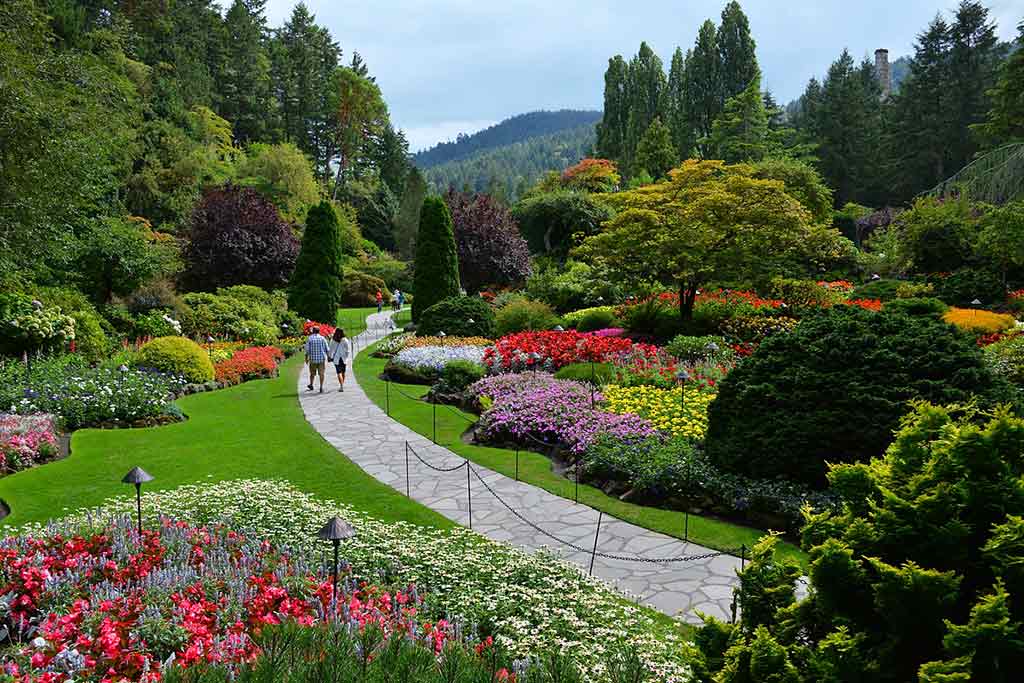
x,y
394,302
339,353
380,301
401,299
316,357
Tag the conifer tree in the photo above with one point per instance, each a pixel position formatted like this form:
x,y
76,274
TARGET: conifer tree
x,y
972,65
245,80
655,152
675,106
646,88
1005,121
736,52
407,220
437,262
740,133
703,89
316,286
611,131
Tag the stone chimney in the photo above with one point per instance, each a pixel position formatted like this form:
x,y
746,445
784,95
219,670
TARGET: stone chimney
x,y
883,71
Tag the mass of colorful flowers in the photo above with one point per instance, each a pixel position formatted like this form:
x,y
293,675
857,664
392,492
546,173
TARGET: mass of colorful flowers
x,y
255,362
118,606
551,350
26,440
663,408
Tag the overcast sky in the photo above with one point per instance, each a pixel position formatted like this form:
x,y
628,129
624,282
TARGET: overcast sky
x,y
451,66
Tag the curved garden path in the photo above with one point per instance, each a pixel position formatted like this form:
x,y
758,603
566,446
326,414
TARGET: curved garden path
x,y
361,431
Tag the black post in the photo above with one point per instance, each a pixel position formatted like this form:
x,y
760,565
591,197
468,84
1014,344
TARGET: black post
x,y
577,481
592,382
334,575
597,535
138,505
433,407
408,490
387,396
517,463
689,493
469,496
743,557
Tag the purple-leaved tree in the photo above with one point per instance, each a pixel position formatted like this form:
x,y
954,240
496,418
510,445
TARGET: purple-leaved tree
x,y
491,250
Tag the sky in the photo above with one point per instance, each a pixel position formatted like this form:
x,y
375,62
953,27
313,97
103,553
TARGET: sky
x,y
451,66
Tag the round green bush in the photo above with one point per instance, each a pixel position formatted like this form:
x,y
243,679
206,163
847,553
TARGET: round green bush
x,y
598,373
459,374
834,389
916,306
965,285
598,319
452,316
884,290
525,315
359,289
90,339
178,356
693,349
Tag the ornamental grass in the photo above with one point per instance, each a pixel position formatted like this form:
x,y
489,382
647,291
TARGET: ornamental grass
x,y
978,321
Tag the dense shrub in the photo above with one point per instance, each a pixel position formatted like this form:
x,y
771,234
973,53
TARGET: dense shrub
x,y
226,315
315,289
452,317
923,306
885,290
598,319
834,389
491,250
802,295
27,325
979,321
90,339
591,373
571,286
237,236
459,374
437,261
1006,357
692,349
963,286
937,233
360,290
659,318
395,274
573,318
525,316
550,221
756,328
177,356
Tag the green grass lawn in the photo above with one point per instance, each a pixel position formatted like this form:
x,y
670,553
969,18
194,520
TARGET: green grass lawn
x,y
535,468
255,430
353,320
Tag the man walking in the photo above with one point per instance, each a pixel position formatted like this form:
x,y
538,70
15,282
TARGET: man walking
x,y
316,357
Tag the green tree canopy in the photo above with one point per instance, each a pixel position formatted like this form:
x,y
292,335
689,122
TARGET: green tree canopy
x,y
655,152
315,289
283,174
437,262
740,132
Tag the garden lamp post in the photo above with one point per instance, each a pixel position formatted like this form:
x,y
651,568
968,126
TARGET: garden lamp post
x,y
975,303
471,322
559,328
534,356
682,376
137,476
209,347
442,335
712,350
336,530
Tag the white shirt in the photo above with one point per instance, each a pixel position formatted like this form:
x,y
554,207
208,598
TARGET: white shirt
x,y
341,351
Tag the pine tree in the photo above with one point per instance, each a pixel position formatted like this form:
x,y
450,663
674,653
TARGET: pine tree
x,y
675,106
392,158
437,262
736,52
973,67
703,100
646,89
655,152
407,220
245,78
1005,121
740,133
316,286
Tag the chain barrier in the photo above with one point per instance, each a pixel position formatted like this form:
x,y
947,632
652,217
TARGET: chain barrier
x,y
464,463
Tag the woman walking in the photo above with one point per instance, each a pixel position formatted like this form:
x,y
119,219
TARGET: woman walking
x,y
340,352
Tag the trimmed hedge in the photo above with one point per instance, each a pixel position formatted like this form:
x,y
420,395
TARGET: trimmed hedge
x,y
452,316
437,262
177,356
835,388
523,315
459,374
598,319
600,373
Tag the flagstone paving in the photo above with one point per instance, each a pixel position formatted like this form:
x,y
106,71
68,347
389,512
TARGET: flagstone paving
x,y
354,425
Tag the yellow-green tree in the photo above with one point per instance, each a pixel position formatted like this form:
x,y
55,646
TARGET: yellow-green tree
x,y
710,221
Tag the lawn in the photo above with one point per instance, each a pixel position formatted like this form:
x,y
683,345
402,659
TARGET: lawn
x,y
254,430
535,468
353,320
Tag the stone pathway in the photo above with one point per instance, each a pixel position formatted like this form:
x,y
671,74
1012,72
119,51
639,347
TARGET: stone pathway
x,y
354,425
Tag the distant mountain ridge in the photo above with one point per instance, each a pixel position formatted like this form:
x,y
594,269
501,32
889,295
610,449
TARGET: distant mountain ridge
x,y
510,131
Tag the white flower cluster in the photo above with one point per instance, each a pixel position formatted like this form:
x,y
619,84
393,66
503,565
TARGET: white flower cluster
x,y
536,602
175,325
434,358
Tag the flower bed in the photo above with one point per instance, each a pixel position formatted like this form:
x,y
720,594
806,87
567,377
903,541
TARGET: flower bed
x,y
413,342
392,344
26,440
432,359
533,602
325,330
255,362
117,606
84,397
551,411
662,408
553,350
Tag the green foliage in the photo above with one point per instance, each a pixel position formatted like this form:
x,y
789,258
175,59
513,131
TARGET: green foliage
x,y
921,306
459,374
803,183
90,339
176,356
937,235
551,221
228,314
573,318
1001,236
315,290
437,263
597,319
702,348
659,468
963,286
658,318
803,420
884,290
655,152
117,255
360,289
27,325
395,274
597,373
1005,120
452,316
283,174
523,315
740,132
407,220
571,286
1006,357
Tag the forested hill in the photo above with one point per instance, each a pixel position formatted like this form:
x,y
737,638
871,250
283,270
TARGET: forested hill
x,y
510,131
508,171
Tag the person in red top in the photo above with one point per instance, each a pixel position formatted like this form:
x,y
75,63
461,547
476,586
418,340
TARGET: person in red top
x,y
380,301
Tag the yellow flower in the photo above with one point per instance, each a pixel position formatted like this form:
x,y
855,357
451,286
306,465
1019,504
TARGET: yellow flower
x,y
662,407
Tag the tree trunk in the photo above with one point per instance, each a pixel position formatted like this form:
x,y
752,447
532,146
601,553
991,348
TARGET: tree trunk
x,y
687,297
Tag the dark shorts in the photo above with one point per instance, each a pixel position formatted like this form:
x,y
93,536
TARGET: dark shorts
x,y
339,366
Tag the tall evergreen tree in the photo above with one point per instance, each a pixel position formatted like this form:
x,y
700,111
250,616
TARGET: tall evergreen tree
x,y
646,90
245,76
1005,121
437,261
392,158
316,286
740,133
407,220
703,89
736,52
655,152
611,131
675,106
973,65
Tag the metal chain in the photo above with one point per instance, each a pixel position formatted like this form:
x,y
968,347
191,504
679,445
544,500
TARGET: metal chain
x,y
462,464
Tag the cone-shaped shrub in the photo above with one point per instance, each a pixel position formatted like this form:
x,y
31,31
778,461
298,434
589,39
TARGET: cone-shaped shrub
x,y
316,287
437,262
